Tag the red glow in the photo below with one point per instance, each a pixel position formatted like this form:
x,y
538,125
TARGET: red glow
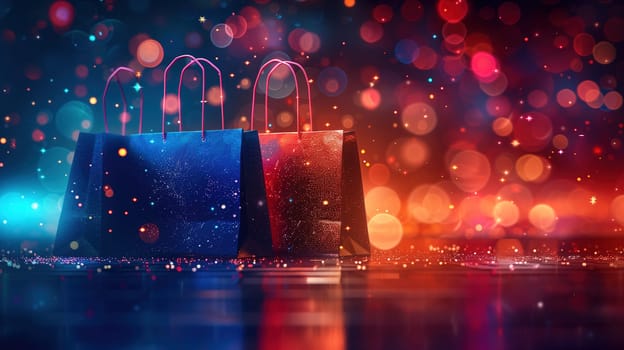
x,y
484,66
371,32
427,58
382,13
252,16
370,98
149,233
452,11
238,24
61,14
584,44
38,135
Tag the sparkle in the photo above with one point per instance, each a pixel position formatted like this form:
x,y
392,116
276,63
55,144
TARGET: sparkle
x,y
202,19
137,87
593,200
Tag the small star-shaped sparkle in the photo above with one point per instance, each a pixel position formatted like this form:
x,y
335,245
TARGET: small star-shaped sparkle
x,y
202,19
137,86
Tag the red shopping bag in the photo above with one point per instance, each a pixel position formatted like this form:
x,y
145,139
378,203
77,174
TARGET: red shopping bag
x,y
313,185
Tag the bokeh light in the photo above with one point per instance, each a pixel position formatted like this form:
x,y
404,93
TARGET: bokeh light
x,y
560,142
385,231
454,33
429,204
543,217
72,118
613,100
470,170
427,58
150,53
583,44
382,13
149,233
452,11
61,14
502,126
406,51
484,66
310,42
370,98
506,213
566,98
332,81
221,35
284,119
371,32
171,104
617,209
538,98
238,26
532,168
604,52
588,91
407,154
382,199
419,118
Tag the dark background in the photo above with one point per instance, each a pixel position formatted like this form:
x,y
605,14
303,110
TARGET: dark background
x,y
49,73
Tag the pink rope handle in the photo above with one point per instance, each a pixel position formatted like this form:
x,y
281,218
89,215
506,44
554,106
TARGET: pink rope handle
x,y
266,96
124,102
253,98
196,61
203,92
307,81
164,98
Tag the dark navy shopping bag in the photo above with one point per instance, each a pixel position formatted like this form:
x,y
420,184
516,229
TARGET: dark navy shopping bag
x,y
198,193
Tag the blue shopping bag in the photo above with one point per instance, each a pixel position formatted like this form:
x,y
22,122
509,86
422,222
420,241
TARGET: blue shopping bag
x,y
197,193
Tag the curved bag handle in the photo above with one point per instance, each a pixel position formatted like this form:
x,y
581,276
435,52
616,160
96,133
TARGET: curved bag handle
x,y
289,64
173,61
124,102
197,61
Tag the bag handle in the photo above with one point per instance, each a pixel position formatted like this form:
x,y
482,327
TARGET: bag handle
x,y
203,102
124,102
289,64
164,98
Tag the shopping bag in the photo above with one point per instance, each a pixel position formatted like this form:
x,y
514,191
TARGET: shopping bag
x,y
313,185
78,231
197,193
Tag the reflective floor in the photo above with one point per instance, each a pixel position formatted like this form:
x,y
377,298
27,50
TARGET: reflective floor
x,y
312,304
